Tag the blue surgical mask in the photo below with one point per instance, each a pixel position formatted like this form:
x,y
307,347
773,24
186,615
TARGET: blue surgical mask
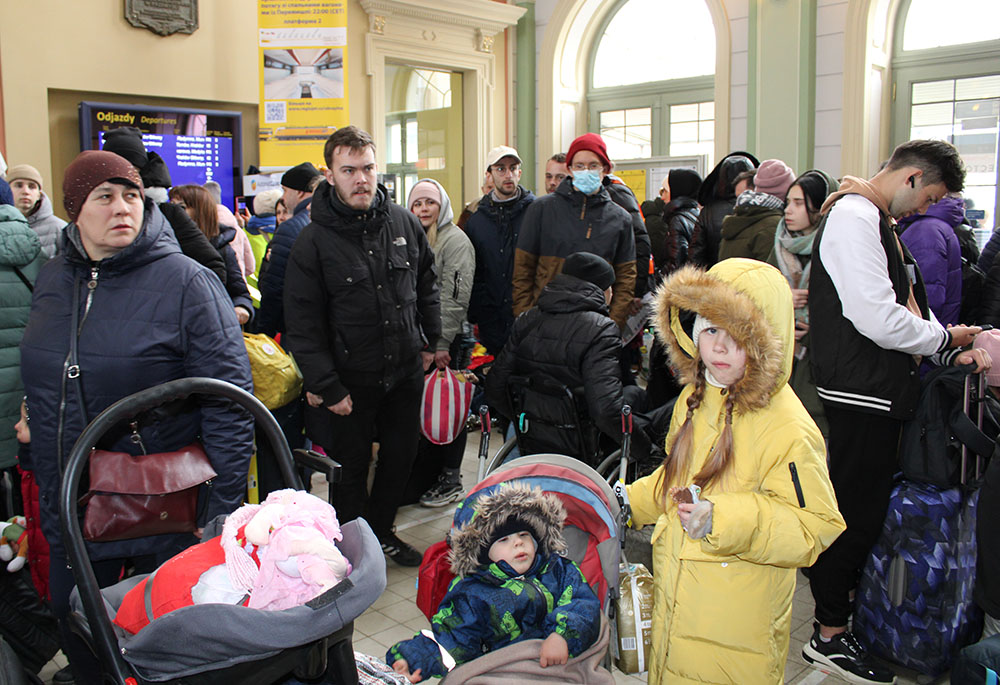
x,y
586,181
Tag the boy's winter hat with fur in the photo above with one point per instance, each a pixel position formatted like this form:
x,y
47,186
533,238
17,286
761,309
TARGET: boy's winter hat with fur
x,y
514,524
530,508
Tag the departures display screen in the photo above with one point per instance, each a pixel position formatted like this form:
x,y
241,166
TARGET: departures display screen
x,y
197,145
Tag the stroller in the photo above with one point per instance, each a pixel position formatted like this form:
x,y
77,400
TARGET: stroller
x,y
593,533
213,643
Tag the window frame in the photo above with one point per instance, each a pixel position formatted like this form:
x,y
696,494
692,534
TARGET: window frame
x,y
968,60
657,95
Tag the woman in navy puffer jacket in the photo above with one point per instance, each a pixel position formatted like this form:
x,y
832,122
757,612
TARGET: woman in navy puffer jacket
x,y
146,315
931,239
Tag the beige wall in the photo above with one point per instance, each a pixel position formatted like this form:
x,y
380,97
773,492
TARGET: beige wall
x,y
88,51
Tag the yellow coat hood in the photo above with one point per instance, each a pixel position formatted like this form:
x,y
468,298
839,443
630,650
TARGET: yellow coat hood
x,y
752,302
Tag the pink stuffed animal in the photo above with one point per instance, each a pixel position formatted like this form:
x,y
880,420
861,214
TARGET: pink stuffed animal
x,y
286,554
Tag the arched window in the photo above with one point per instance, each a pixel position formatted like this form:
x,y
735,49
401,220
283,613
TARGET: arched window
x,y
928,25
651,88
946,85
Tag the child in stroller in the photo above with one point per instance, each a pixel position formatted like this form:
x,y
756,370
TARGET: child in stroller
x,y
514,586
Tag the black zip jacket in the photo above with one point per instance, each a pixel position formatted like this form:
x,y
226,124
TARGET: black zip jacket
x,y
361,296
680,216
568,338
493,230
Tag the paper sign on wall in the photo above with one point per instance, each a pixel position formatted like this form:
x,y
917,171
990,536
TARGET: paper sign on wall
x,y
302,61
634,179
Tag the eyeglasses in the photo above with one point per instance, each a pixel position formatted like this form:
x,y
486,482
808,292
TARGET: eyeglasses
x,y
593,166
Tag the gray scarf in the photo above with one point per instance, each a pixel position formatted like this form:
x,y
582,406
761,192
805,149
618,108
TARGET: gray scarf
x,y
787,246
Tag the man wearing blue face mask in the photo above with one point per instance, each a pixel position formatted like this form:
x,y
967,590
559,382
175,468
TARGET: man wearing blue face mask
x,y
580,216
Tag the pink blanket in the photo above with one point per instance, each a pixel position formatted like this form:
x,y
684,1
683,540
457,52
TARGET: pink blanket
x,y
518,663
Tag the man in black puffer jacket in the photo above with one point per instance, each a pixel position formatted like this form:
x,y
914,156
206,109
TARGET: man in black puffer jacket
x,y
569,338
362,313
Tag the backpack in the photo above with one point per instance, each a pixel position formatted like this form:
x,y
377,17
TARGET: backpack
x,y
973,281
931,444
276,378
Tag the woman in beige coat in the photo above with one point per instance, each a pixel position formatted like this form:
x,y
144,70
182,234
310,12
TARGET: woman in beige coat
x,y
455,263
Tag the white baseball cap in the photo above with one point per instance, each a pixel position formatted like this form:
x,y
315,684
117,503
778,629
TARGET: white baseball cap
x,y
498,153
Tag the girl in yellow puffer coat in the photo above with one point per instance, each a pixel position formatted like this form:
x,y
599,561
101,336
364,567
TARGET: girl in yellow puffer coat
x,y
724,567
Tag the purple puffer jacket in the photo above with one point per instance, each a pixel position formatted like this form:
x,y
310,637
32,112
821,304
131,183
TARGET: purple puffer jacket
x,y
931,239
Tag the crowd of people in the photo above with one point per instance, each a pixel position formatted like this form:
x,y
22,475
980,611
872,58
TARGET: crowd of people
x,y
794,315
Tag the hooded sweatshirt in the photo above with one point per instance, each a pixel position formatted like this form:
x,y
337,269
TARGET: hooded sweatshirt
x,y
491,606
724,602
47,225
20,251
931,239
455,263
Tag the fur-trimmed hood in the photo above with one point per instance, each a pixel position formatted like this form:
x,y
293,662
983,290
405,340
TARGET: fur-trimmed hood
x,y
544,513
749,299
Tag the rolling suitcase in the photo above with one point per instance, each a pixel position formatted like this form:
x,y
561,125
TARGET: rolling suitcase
x,y
914,603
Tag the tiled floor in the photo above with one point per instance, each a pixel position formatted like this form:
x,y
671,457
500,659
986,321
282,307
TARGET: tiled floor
x,y
394,616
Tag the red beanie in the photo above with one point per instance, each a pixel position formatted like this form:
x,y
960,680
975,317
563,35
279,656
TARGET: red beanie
x,y
592,142
90,169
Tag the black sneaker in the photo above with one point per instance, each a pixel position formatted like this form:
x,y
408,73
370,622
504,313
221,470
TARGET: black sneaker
x,y
442,493
845,658
64,676
399,551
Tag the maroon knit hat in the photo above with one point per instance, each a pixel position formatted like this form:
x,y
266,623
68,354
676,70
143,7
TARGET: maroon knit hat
x,y
90,169
592,142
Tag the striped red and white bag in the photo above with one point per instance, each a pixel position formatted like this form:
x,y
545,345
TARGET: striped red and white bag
x,y
444,405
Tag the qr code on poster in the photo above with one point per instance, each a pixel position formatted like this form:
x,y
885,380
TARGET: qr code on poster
x,y
274,112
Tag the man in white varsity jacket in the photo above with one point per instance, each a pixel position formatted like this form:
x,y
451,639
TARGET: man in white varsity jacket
x,y
870,329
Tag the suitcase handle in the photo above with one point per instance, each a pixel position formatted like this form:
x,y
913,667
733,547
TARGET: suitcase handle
x,y
975,392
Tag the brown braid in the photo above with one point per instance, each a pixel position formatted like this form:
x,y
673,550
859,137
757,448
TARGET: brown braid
x,y
722,454
679,455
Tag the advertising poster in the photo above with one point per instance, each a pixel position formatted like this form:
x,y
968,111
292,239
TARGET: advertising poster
x,y
302,56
